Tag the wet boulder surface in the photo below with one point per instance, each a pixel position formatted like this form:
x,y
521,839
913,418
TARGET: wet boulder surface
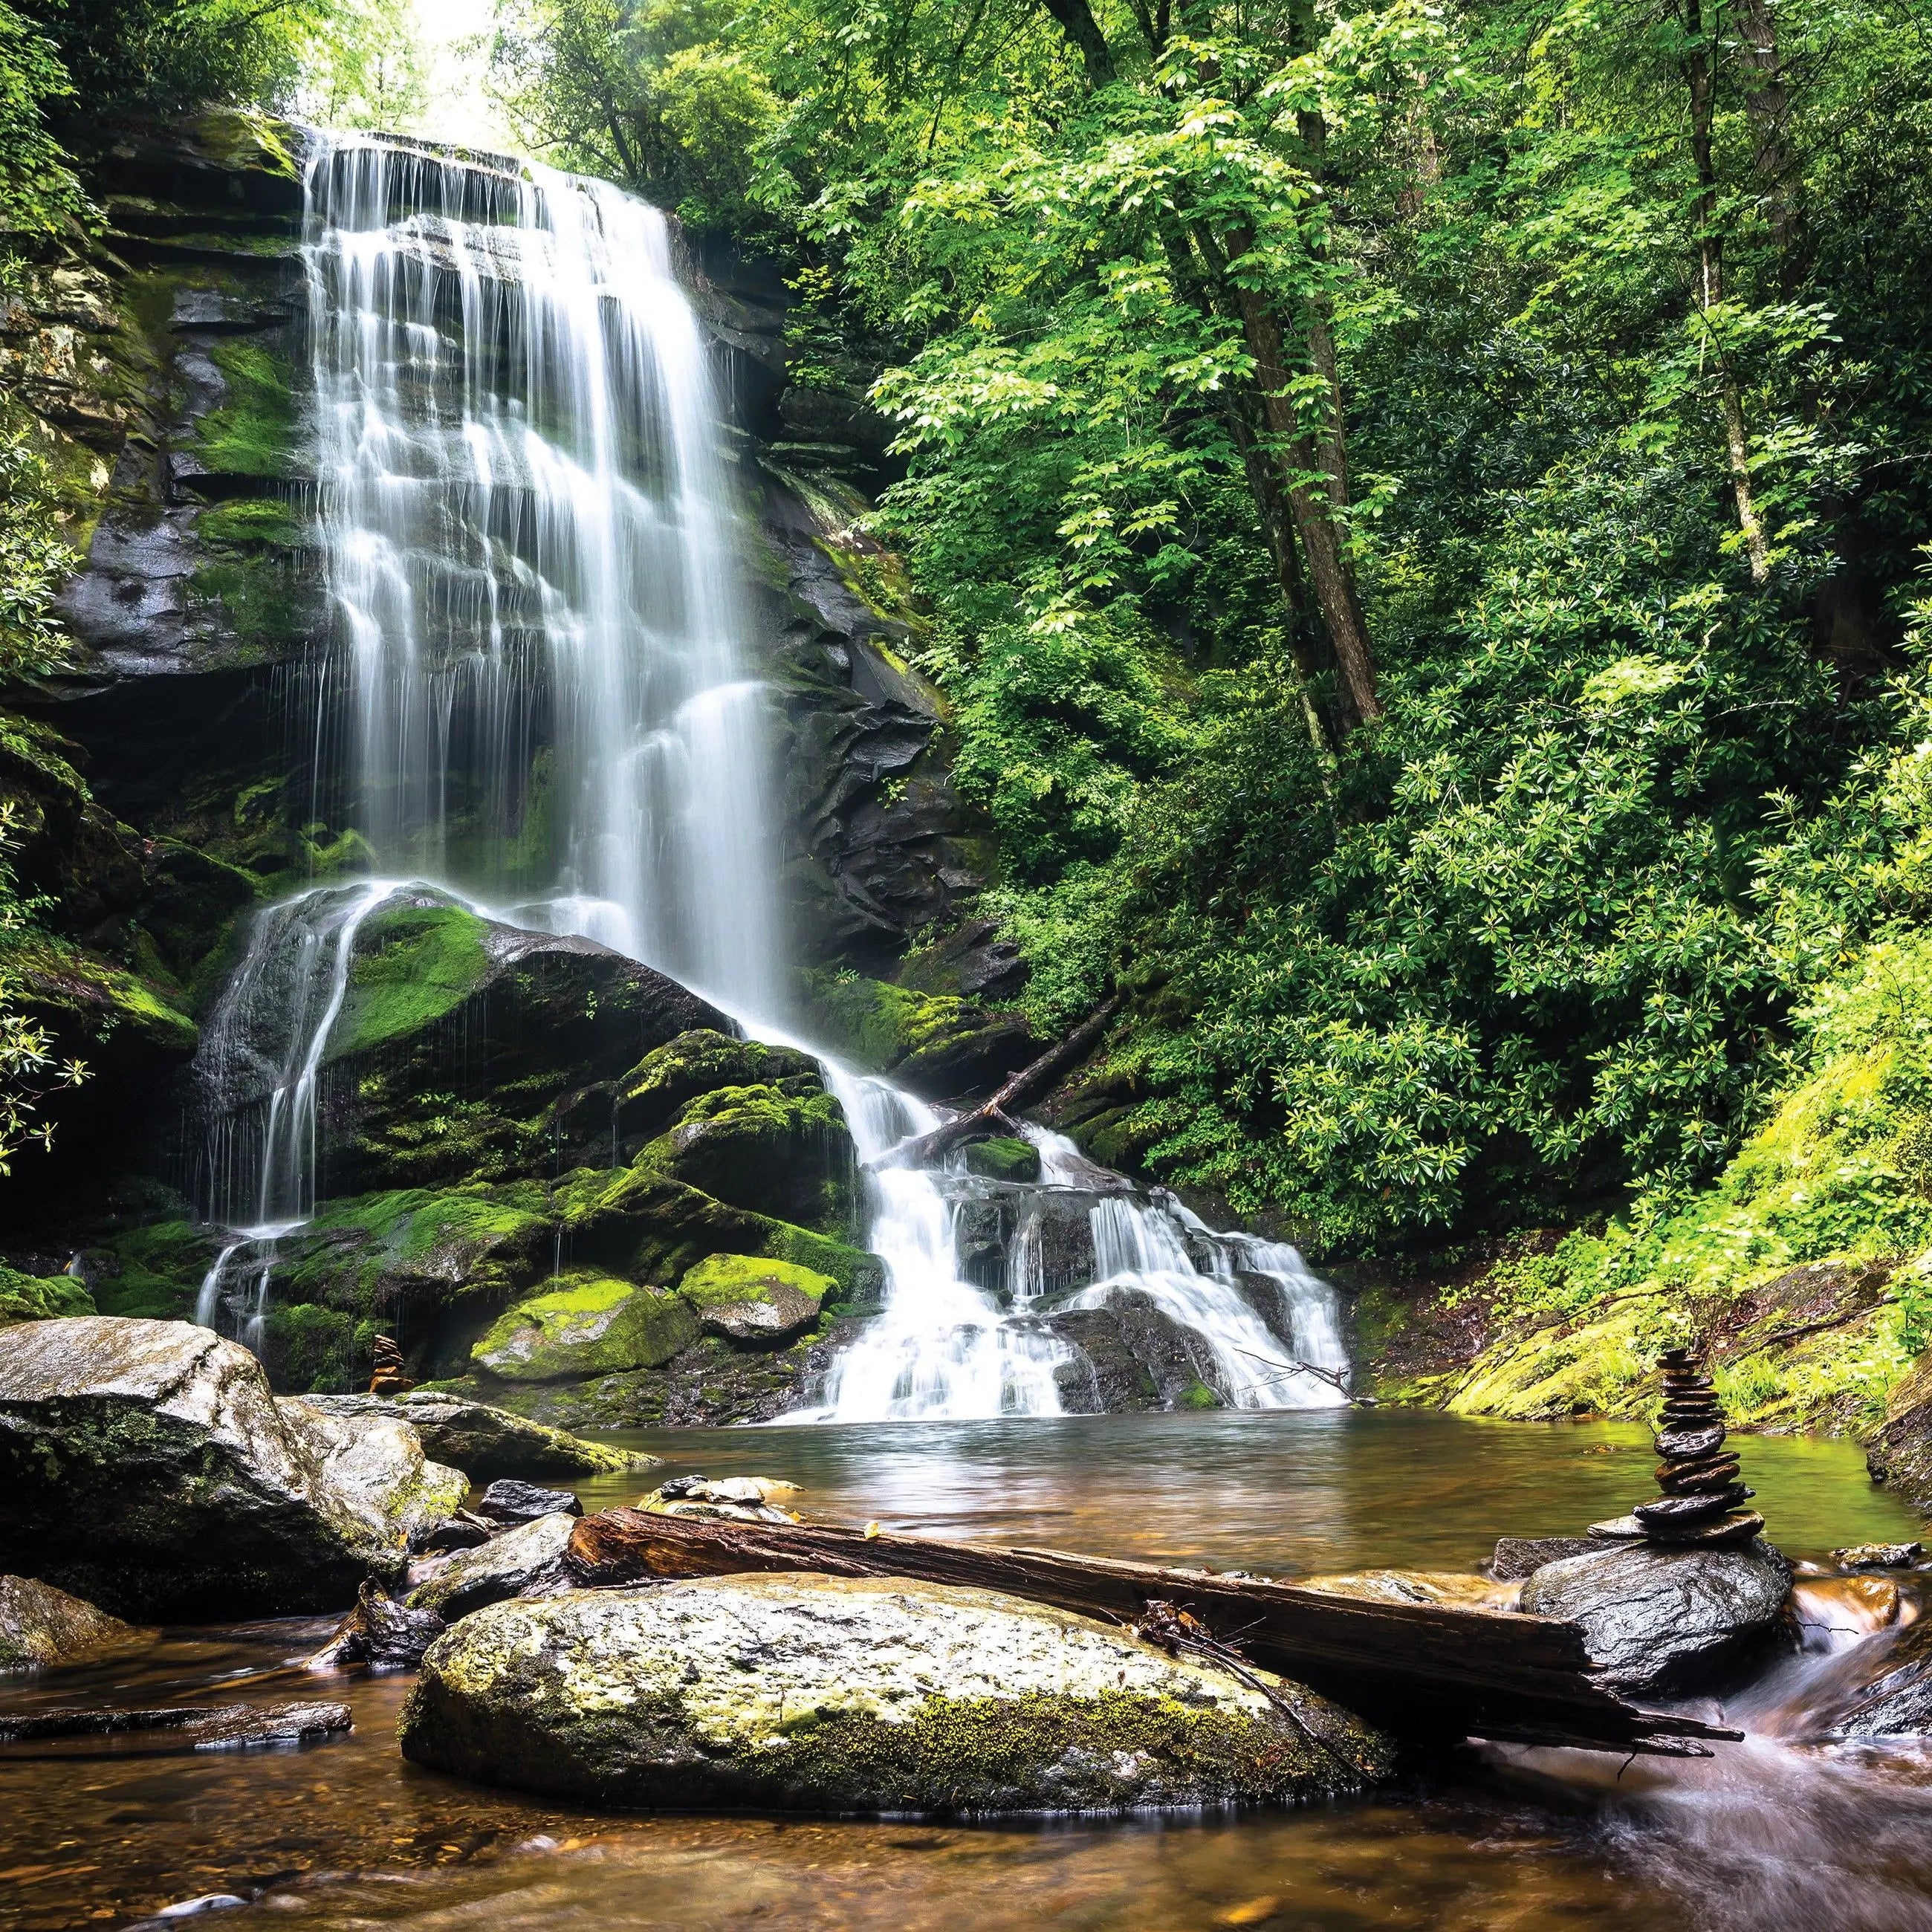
x,y
525,1559
146,1467
810,1694
486,1442
41,1627
1656,1620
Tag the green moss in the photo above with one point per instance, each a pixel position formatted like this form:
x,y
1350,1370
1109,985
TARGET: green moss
x,y
699,1062
256,432
100,996
250,521
720,1280
308,1349
29,1297
880,1025
414,965
1004,1158
1197,1395
154,1272
780,1151
588,1325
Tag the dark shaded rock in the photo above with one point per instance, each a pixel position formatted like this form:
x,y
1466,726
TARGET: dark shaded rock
x,y
1656,1619
1132,1356
656,1090
145,1466
41,1626
185,1727
818,1694
460,1531
519,1561
783,1151
508,1502
1518,1556
380,1632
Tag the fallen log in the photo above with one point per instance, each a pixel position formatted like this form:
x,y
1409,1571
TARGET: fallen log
x,y
1421,1669
928,1148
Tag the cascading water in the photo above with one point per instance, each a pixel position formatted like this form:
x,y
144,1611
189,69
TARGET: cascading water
x,y
528,539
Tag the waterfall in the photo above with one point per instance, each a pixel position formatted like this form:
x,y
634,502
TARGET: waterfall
x,y
529,546
528,538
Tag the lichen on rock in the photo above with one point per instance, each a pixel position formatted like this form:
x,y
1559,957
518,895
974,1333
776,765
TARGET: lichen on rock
x,y
808,1693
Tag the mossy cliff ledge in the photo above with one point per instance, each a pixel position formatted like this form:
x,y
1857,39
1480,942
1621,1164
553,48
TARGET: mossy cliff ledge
x,y
799,1693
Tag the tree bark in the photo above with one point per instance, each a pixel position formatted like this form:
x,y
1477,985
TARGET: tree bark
x,y
1427,1669
1768,106
1699,70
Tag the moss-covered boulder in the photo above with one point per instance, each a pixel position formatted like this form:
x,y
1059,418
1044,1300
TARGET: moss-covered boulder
x,y
41,1626
590,1325
753,1302
782,1150
145,1466
1003,1158
938,1044
657,1090
812,1693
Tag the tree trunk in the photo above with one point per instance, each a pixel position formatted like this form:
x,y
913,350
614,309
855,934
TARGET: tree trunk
x,y
1428,1668
1767,105
1700,72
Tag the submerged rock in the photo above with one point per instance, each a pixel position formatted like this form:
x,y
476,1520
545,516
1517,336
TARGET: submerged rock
x,y
1417,1586
520,1560
145,1466
41,1626
185,1727
1656,1619
489,1442
808,1693
380,1632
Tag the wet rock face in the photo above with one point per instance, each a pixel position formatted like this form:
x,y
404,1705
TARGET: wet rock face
x,y
817,1694
487,1443
520,1560
1887,1690
145,1466
380,1632
1656,1619
41,1626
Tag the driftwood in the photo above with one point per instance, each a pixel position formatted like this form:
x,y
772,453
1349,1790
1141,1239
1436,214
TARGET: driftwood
x,y
1434,1669
928,1147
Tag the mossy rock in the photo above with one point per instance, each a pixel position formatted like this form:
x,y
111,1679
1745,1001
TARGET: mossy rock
x,y
415,965
782,1150
654,1092
868,1697
28,1298
1003,1158
589,1326
939,1044
753,1301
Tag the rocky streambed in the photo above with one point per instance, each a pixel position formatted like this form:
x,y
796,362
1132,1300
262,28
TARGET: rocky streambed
x,y
539,1707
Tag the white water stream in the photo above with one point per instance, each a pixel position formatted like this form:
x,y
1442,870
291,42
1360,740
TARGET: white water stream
x,y
529,545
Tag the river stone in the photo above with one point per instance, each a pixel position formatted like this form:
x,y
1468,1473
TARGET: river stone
x,y
1655,1619
145,1466
1519,1556
506,1504
816,1693
489,1442
380,1632
753,1302
520,1559
1881,1688
596,1327
39,1626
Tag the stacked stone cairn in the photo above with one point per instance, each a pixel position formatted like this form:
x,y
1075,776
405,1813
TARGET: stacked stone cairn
x,y
1699,1476
389,1378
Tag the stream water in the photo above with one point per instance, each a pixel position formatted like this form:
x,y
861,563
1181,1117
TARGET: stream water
x,y
1765,1836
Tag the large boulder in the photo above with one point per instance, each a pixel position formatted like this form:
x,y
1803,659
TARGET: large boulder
x,y
486,1442
782,1150
1656,1619
39,1626
754,1303
590,1326
807,1693
145,1466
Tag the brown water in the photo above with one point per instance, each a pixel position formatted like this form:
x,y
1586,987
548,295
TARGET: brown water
x,y
344,1834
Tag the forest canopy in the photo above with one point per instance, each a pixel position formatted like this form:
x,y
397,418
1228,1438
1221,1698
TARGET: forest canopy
x,y
1417,511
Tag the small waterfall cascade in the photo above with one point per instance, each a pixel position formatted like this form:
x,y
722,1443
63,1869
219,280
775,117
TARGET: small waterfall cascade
x,y
943,1349
260,1071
